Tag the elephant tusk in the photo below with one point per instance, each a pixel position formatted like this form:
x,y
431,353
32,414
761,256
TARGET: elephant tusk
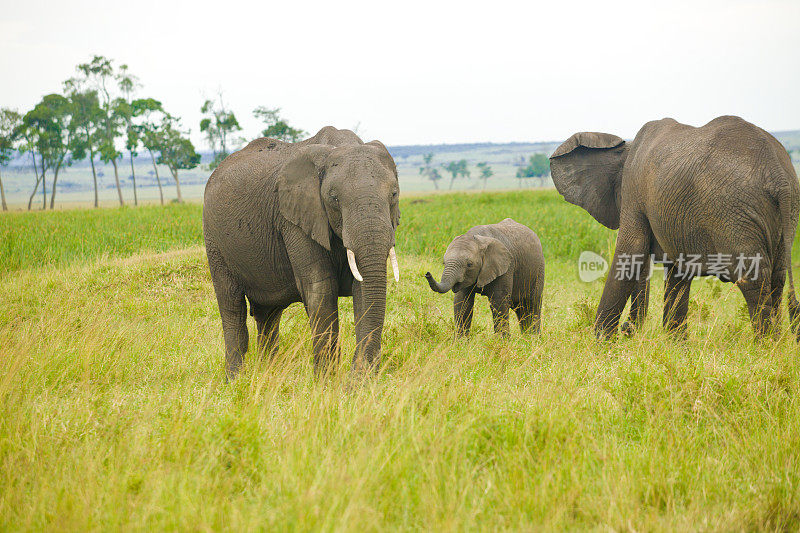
x,y
395,266
351,260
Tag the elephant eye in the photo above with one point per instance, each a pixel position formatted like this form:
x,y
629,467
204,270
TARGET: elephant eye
x,y
469,264
394,195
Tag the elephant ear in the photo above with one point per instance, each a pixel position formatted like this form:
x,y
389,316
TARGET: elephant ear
x,y
389,163
299,198
496,259
386,157
587,171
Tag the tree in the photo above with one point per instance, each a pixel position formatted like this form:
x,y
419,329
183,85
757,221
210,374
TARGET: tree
x,y
87,116
10,122
277,127
218,124
123,107
486,172
429,171
51,122
154,122
538,167
176,152
456,169
63,140
30,137
99,75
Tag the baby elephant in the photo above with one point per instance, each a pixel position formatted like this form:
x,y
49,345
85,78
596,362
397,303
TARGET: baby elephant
x,y
502,261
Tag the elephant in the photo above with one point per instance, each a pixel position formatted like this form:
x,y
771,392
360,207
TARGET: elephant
x,y
302,222
716,200
503,262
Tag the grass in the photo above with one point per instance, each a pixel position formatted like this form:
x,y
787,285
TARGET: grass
x,y
114,413
51,238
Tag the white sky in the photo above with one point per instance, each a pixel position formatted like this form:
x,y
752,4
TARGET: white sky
x,y
426,72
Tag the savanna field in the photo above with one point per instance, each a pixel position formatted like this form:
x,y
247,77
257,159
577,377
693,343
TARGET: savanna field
x,y
115,414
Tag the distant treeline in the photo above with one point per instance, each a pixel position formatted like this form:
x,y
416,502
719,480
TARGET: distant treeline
x,y
100,117
404,151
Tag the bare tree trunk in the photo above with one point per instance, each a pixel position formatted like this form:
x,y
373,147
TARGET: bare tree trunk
x,y
158,180
94,176
3,195
44,185
53,191
35,188
55,180
177,186
435,185
38,179
116,177
133,176
451,182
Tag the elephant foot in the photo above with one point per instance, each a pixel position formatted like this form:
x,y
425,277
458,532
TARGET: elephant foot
x,y
231,375
232,368
679,334
628,329
604,335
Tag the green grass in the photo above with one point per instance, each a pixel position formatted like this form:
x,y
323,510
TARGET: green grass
x,y
114,412
55,238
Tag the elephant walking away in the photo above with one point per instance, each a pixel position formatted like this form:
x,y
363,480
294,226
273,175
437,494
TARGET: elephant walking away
x,y
721,199
505,263
302,222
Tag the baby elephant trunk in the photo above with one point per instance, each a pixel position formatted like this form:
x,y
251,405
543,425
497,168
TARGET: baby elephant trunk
x,y
448,280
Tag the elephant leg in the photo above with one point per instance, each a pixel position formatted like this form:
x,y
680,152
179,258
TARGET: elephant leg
x,y
758,295
529,319
500,307
267,321
676,300
321,302
778,281
364,359
233,312
531,308
639,304
319,291
462,311
629,266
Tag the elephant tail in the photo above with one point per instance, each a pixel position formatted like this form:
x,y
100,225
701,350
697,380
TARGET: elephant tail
x,y
789,213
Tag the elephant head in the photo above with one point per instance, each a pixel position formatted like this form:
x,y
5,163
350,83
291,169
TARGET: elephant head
x,y
471,260
352,192
587,171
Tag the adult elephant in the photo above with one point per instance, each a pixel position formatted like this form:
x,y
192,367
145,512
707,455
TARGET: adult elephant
x,y
721,199
302,222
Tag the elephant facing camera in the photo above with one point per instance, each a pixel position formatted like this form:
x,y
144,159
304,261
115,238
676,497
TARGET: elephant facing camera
x,y
306,222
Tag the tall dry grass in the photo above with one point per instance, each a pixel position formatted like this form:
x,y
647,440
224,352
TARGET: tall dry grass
x,y
114,412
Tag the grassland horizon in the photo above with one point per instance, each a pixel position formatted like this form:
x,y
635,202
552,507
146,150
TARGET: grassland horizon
x,y
114,411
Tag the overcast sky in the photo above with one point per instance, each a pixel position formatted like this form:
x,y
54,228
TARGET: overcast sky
x,y
427,72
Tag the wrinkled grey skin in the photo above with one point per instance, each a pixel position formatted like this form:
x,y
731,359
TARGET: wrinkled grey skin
x,y
725,188
277,219
505,263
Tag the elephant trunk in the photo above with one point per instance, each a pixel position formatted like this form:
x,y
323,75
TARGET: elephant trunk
x,y
449,278
368,250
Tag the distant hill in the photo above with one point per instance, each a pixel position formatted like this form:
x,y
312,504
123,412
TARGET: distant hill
x,y
790,139
422,149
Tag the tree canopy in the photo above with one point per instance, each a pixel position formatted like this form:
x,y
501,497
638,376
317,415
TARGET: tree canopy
x,y
276,126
